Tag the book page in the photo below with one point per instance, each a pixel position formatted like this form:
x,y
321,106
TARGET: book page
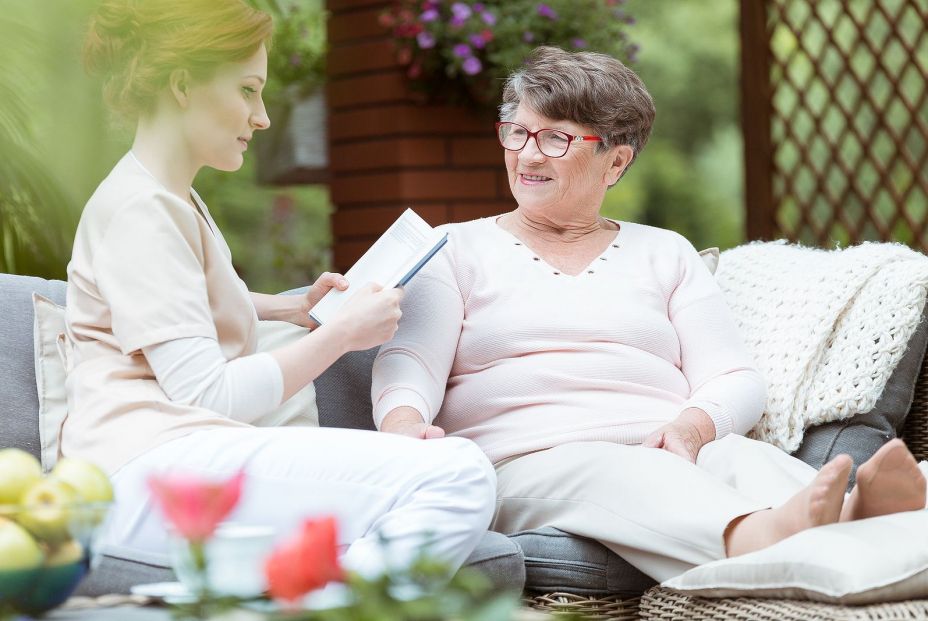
x,y
385,263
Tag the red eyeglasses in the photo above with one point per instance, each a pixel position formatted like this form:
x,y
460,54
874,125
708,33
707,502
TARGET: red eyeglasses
x,y
551,142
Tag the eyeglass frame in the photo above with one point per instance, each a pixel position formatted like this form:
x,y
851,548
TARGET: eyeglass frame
x,y
571,138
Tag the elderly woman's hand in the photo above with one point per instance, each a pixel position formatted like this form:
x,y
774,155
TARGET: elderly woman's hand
x,y
685,435
407,421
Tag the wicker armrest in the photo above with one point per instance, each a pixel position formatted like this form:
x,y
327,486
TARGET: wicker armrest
x,y
915,430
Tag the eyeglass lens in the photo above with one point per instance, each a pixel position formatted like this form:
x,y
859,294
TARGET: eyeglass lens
x,y
551,142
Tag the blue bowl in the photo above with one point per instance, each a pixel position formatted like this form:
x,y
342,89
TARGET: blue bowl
x,y
67,547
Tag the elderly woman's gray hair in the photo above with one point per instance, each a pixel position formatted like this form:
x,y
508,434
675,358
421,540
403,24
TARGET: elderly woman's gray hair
x,y
591,89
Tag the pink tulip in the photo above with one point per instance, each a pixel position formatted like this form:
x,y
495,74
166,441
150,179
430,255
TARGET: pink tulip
x,y
193,504
306,562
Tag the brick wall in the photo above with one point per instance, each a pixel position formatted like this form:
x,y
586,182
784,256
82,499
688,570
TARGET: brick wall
x,y
387,151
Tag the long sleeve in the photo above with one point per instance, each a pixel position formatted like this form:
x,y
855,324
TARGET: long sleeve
x,y
714,360
413,368
193,371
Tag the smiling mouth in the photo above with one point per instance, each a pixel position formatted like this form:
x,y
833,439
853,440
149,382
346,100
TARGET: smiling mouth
x,y
243,142
532,179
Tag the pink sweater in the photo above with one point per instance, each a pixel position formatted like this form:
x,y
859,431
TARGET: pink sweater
x,y
495,345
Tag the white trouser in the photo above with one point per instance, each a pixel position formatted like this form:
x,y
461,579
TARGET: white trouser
x,y
661,513
378,485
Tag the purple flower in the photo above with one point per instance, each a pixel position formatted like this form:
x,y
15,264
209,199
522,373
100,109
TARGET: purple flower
x,y
477,41
461,10
528,36
425,40
429,15
462,50
478,6
488,18
456,22
579,43
545,11
472,66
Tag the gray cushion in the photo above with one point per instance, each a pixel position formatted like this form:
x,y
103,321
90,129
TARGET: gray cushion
x,y
860,436
497,557
19,405
559,561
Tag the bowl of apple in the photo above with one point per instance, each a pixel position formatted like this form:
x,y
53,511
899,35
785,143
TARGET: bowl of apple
x,y
48,527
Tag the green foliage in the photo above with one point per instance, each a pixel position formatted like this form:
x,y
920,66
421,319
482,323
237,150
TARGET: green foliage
x,y
298,54
279,236
32,202
464,50
689,177
421,593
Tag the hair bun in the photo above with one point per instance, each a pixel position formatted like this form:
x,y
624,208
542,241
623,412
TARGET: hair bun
x,y
113,38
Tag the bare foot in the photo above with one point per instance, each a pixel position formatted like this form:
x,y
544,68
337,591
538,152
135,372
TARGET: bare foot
x,y
888,482
816,505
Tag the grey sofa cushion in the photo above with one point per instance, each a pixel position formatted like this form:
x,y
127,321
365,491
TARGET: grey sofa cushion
x,y
497,557
558,561
860,436
19,404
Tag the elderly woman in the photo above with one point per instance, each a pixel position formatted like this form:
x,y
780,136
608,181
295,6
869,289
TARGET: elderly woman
x,y
595,362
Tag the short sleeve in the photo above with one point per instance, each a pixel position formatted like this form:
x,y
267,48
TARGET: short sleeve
x,y
149,268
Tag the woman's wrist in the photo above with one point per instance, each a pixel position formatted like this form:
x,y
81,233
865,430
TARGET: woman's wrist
x,y
701,421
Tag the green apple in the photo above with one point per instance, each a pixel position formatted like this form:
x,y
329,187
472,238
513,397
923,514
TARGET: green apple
x,y
20,560
66,554
88,479
18,550
19,471
46,511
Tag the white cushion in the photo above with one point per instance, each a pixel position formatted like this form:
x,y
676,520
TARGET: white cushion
x,y
48,331
710,256
880,559
299,410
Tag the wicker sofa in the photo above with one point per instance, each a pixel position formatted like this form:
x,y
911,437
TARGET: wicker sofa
x,y
559,572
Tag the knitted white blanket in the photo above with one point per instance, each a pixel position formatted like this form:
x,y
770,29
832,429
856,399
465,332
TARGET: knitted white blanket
x,y
826,328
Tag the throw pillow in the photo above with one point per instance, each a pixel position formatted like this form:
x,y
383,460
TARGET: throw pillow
x,y
881,559
48,330
710,256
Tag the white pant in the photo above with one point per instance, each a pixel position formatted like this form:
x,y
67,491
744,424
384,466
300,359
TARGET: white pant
x,y
661,513
378,485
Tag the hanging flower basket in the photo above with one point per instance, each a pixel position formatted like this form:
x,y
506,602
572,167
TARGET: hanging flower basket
x,y
462,51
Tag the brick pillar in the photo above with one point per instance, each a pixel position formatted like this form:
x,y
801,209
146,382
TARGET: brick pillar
x,y
388,152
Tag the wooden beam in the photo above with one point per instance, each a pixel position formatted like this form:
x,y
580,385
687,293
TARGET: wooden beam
x,y
756,111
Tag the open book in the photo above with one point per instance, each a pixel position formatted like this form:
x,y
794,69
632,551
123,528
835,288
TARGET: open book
x,y
393,259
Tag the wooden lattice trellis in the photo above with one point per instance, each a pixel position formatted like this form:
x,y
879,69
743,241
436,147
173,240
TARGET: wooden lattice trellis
x,y
835,117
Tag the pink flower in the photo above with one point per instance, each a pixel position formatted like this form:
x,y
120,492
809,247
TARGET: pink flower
x,y
462,50
193,505
545,11
306,562
472,66
429,15
477,41
426,40
461,10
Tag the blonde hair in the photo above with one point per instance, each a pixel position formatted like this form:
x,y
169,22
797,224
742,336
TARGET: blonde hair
x,y
136,44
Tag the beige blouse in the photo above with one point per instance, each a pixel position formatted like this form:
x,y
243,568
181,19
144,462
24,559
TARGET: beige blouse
x,y
146,268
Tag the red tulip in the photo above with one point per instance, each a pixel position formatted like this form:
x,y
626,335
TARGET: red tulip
x,y
195,505
306,562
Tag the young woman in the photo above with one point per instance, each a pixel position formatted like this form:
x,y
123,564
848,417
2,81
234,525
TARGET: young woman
x,y
163,370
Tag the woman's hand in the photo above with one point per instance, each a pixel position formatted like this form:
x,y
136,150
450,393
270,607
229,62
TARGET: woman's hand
x,y
325,283
406,421
369,318
685,435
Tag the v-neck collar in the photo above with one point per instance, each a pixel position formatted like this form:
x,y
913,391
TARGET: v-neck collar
x,y
587,270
